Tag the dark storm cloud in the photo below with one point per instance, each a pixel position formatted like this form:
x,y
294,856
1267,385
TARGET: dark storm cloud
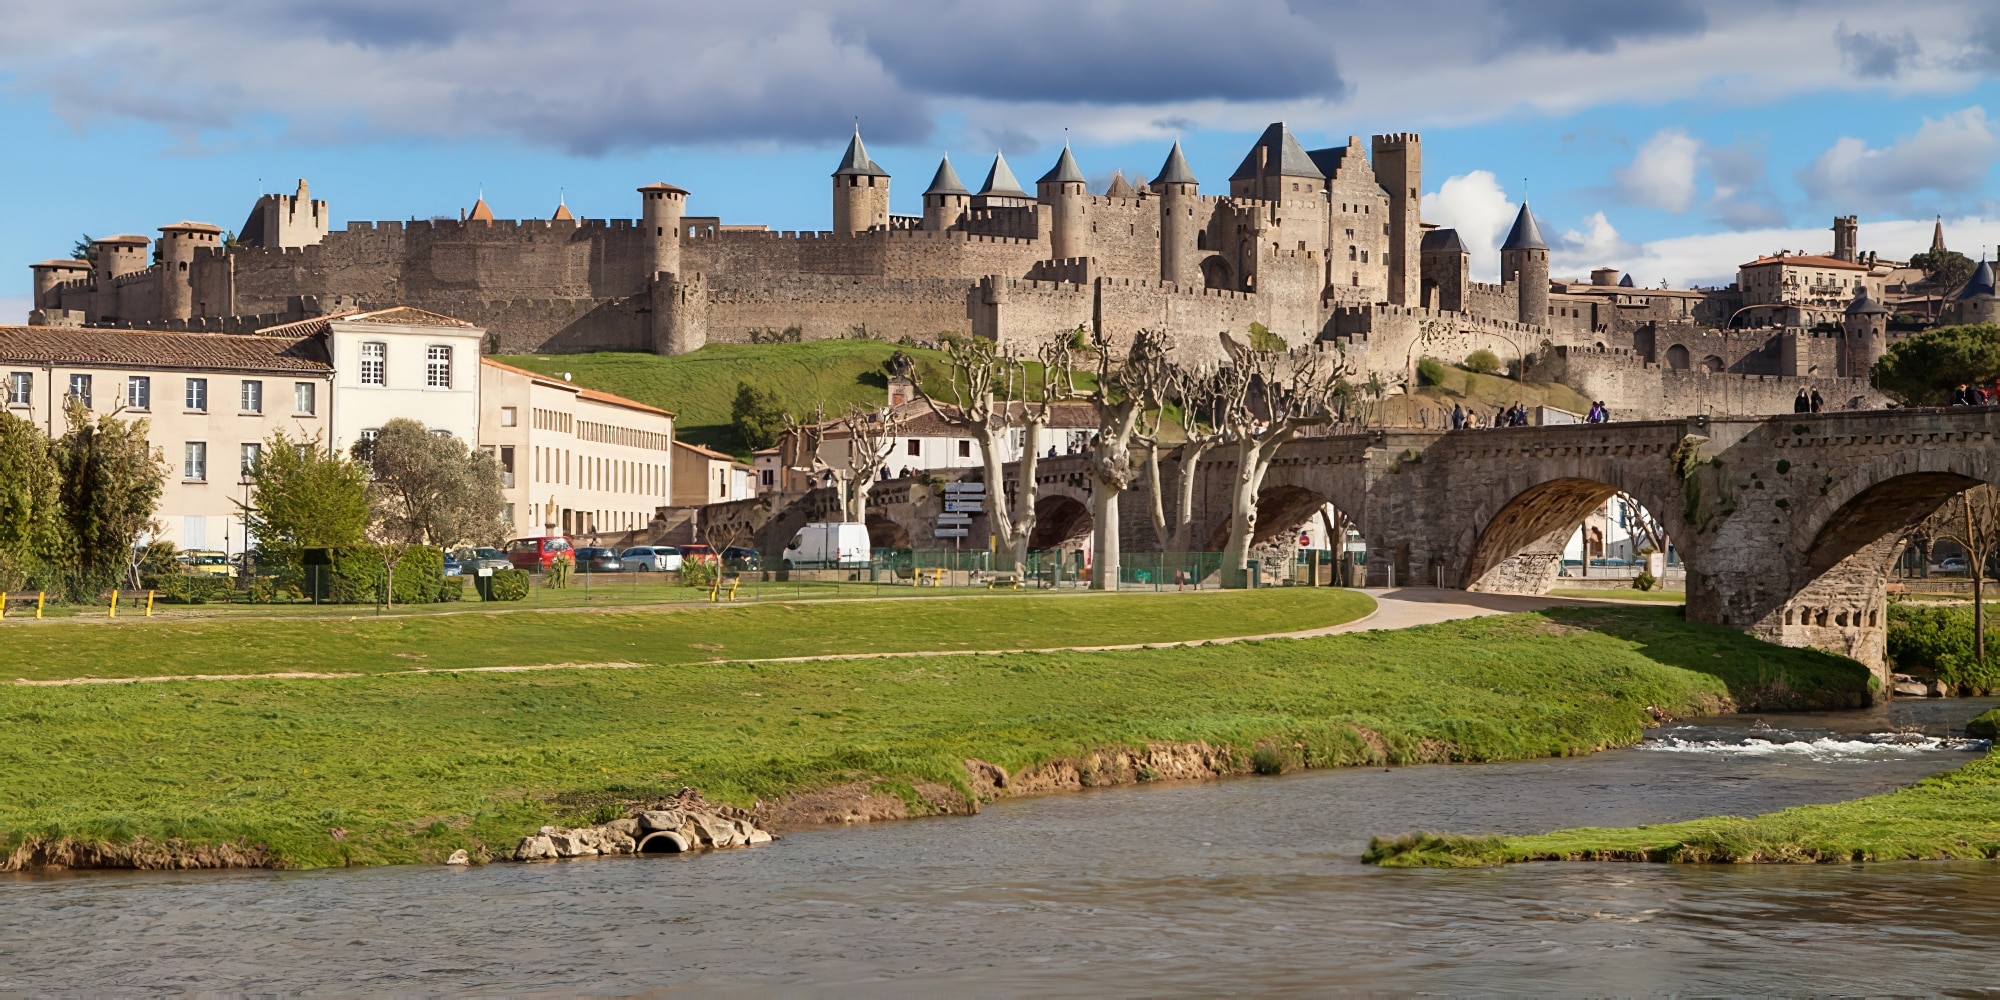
x,y
1597,26
1876,55
388,24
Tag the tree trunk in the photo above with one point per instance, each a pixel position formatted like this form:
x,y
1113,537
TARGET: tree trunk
x,y
1978,618
1104,517
1242,521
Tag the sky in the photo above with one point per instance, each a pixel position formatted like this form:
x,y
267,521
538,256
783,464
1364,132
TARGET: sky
x,y
1673,139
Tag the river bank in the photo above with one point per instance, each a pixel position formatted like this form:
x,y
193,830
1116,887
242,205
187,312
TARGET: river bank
x,y
1945,817
408,768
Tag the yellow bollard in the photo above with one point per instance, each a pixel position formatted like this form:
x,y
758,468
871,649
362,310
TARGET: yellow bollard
x,y
733,584
3,604
114,603
39,597
149,604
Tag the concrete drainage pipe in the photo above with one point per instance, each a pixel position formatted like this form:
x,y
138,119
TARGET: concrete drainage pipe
x,y
663,842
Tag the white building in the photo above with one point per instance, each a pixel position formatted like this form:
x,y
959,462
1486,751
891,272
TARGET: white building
x,y
574,461
926,442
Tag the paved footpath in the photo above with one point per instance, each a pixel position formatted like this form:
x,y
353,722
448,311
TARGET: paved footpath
x,y
1405,607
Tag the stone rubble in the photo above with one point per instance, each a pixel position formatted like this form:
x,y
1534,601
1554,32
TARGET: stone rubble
x,y
685,823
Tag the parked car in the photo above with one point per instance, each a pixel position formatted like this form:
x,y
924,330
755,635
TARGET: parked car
x,y
1952,564
651,559
535,554
596,560
208,562
476,559
452,567
743,558
697,553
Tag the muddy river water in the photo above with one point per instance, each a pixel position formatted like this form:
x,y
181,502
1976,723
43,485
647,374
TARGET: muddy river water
x,y
1238,886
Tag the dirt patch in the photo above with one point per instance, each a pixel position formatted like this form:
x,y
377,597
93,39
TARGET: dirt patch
x,y
851,803
1379,751
139,853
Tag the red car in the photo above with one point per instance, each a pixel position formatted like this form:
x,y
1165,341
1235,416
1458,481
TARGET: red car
x,y
535,554
698,553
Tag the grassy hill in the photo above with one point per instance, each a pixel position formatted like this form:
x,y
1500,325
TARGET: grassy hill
x,y
699,387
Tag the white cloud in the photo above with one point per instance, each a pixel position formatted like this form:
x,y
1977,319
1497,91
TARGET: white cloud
x,y
1948,155
1474,205
1711,259
1576,252
14,309
1661,174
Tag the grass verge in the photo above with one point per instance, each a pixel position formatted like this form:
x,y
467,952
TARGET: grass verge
x,y
661,636
1945,816
1623,594
401,768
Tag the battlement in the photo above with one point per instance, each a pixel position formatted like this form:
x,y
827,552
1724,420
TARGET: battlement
x,y
1074,270
1368,313
1394,140
148,273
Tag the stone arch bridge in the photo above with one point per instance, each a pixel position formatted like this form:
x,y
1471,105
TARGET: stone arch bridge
x,y
1787,525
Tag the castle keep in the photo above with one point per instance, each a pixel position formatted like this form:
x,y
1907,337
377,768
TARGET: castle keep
x,y
1319,246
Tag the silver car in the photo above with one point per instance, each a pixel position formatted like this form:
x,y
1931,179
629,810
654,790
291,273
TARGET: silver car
x,y
472,560
651,559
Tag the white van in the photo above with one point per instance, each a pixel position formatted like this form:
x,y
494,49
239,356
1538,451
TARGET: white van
x,y
831,543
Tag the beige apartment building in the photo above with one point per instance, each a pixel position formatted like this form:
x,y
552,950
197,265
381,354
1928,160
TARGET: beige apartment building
x,y
1804,289
574,461
210,401
704,476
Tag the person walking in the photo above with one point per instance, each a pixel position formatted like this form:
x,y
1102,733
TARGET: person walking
x,y
1457,417
1818,402
1803,403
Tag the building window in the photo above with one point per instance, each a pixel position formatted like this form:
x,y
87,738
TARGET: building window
x,y
139,392
303,398
507,466
20,388
437,367
197,394
79,389
509,416
964,448
194,462
374,363
253,396
250,454
916,446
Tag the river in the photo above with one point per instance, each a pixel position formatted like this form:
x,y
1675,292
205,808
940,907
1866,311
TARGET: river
x,y
1249,885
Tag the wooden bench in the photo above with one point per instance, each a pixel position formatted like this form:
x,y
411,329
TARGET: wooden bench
x,y
1010,581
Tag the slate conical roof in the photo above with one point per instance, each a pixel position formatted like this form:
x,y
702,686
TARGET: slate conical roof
x,y
1625,282
1000,180
1981,285
1064,172
1443,241
1863,305
946,181
1175,170
1120,187
1282,156
856,162
1525,235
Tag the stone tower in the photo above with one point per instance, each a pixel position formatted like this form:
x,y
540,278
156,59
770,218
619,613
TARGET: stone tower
x,y
1180,258
678,322
860,191
1846,237
1524,263
946,200
1866,327
1063,190
1399,168
178,244
661,206
285,220
118,256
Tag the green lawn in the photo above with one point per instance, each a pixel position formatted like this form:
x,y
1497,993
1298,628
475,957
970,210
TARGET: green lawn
x,y
362,643
699,387
409,767
1950,815
1623,594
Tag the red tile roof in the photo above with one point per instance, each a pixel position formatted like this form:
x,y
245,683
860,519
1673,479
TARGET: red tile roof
x,y
583,393
1808,260
84,346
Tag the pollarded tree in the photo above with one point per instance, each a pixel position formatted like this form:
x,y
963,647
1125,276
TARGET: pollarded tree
x,y
306,495
1972,519
1126,387
1267,398
868,437
32,531
990,393
111,484
1189,400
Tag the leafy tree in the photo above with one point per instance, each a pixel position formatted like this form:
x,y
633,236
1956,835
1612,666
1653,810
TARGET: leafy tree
x,y
1972,519
1262,339
111,483
85,249
1944,268
1482,361
1922,370
430,489
757,415
32,530
306,496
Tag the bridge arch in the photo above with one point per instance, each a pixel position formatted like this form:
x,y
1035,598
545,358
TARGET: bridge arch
x,y
1519,549
1061,522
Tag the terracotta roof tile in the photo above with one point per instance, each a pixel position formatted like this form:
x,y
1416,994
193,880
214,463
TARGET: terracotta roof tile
x,y
1808,260
407,316
709,452
590,394
83,346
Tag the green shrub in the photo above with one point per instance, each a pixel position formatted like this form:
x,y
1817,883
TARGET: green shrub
x,y
1430,371
1985,726
1262,339
1938,639
1644,581
504,585
1269,760
451,588
560,570
183,588
1483,361
356,575
699,573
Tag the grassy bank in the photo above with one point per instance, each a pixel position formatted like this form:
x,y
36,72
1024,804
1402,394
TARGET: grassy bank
x,y
395,768
699,387
662,636
1623,594
1951,815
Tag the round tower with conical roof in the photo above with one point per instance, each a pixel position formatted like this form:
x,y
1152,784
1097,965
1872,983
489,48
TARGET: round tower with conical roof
x,y
1064,191
1866,330
946,200
1180,227
860,191
661,206
1524,264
